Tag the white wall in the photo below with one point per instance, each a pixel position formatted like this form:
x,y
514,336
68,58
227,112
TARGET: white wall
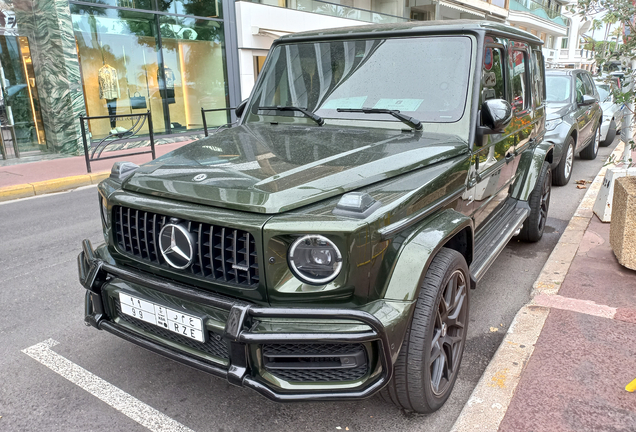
x,y
273,20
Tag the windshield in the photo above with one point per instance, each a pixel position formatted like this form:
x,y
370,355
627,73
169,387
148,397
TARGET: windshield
x,y
426,78
557,88
603,91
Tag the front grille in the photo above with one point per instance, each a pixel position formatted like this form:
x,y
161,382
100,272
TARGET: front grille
x,y
215,345
222,254
316,362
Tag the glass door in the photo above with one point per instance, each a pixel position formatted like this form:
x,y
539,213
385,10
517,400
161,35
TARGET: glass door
x,y
20,118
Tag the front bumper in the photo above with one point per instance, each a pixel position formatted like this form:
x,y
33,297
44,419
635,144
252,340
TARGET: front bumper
x,y
97,276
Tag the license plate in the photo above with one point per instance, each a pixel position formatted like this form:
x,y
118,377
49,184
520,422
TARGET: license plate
x,y
184,324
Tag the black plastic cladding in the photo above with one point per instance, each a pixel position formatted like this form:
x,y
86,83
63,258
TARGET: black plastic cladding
x,y
93,272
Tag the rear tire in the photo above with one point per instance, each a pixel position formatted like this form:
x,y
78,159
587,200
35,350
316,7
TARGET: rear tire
x,y
591,150
427,365
611,134
539,201
563,171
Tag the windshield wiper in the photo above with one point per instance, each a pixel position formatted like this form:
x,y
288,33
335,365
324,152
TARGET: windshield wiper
x,y
413,122
311,115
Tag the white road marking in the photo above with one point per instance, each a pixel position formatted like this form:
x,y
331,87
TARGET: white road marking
x,y
133,408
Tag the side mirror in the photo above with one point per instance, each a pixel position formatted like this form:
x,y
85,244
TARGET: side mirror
x,y
240,108
496,114
588,100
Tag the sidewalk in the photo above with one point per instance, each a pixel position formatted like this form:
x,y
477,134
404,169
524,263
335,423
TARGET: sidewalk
x,y
55,175
569,353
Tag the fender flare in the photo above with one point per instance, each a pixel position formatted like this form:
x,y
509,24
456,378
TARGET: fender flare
x,y
533,161
418,251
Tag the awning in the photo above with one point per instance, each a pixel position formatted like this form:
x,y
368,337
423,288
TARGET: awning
x,y
462,9
275,34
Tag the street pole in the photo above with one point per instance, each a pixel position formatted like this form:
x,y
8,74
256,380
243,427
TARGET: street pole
x,y
628,123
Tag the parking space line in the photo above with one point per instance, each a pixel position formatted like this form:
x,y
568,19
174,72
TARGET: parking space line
x,y
131,407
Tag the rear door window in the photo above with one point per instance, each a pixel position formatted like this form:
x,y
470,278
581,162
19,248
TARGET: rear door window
x,y
519,81
493,74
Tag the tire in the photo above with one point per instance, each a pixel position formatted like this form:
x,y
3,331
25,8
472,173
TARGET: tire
x,y
563,171
539,201
416,386
591,150
611,134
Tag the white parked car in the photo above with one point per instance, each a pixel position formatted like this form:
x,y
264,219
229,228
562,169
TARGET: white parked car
x,y
612,112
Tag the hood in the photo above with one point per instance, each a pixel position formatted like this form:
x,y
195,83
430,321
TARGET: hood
x,y
557,110
270,169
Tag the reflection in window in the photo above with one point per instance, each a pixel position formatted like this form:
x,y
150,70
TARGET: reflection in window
x,y
557,88
425,77
493,75
519,80
538,78
125,72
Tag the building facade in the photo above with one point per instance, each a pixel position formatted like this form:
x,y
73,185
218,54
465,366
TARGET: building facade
x,y
542,18
60,59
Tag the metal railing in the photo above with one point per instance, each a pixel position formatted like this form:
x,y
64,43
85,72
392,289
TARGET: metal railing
x,y
539,9
93,150
205,121
333,9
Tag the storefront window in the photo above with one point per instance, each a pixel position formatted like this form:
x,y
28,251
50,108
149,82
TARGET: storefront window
x,y
20,119
133,61
202,8
133,4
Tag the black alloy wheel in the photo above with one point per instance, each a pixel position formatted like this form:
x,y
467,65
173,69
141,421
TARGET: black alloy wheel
x,y
563,171
428,362
539,202
448,333
591,150
611,134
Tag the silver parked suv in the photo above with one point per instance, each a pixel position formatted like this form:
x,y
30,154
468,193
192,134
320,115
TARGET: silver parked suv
x,y
573,119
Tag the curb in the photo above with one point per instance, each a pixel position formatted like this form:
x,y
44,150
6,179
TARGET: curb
x,y
9,193
490,399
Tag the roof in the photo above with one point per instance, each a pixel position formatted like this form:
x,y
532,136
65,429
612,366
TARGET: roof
x,y
563,71
412,28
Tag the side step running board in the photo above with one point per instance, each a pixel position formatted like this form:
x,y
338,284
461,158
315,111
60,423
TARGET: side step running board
x,y
489,246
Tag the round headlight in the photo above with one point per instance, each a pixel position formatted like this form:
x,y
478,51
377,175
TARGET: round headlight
x,y
315,259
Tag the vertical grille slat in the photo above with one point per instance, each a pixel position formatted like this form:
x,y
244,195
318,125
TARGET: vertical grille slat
x,y
247,258
137,233
155,238
200,249
146,235
223,254
229,255
129,244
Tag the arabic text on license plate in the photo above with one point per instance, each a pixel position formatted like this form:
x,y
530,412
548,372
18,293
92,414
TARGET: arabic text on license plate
x,y
186,325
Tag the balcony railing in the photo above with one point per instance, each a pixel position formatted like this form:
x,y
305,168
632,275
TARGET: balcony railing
x,y
538,9
333,9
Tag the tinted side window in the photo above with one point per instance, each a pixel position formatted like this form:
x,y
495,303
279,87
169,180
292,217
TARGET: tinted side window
x,y
519,81
580,88
538,78
493,75
590,88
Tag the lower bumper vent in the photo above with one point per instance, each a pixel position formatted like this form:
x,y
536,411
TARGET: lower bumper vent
x,y
316,362
214,346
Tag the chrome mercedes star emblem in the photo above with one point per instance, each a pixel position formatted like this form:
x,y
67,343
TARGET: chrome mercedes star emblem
x,y
176,245
200,177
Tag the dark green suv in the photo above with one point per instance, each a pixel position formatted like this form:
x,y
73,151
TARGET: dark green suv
x,y
324,247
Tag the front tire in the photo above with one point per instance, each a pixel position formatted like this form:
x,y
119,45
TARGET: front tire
x,y
539,201
427,365
611,134
563,171
591,150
